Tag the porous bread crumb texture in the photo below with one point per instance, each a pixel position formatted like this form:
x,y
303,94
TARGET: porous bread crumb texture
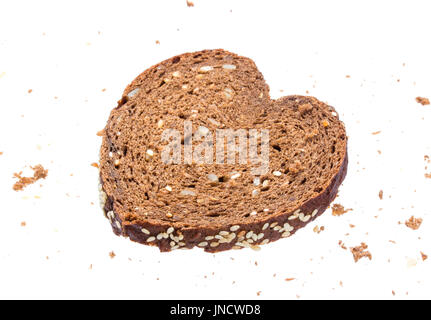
x,y
38,173
423,101
414,223
216,206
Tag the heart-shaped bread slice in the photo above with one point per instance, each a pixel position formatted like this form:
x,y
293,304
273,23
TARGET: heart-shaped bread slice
x,y
169,177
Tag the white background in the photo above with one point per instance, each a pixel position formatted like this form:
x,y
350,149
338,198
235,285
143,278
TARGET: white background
x,y
68,52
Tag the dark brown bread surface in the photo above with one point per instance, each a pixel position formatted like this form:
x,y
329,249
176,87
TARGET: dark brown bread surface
x,y
179,206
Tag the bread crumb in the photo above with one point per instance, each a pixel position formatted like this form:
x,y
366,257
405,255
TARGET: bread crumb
x,y
348,76
30,90
424,256
414,223
318,229
258,293
376,133
423,101
95,164
381,194
23,224
157,42
190,3
342,245
39,173
112,254
338,210
289,279
100,133
1,153
360,252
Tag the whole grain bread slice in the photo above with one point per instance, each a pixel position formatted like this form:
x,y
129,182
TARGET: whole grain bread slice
x,y
216,206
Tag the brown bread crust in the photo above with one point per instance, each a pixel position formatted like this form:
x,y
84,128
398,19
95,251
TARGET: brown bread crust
x,y
231,232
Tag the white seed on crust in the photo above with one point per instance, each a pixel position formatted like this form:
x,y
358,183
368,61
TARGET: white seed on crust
x,y
235,176
265,226
172,243
209,238
170,230
145,231
255,192
214,244
314,213
234,228
260,236
175,248
181,244
180,237
250,240
218,237
254,237
151,239
277,173
273,225
277,228
249,234
285,234
255,248
256,181
203,244
188,193
223,233
229,67
205,69
133,92
288,227
265,241
304,218
118,224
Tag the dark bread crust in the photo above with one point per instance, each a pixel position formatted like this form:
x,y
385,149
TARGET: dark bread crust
x,y
194,236
226,233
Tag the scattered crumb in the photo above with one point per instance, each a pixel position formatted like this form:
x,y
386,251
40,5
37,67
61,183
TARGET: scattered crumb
x,y
95,164
90,267
23,224
392,241
338,210
190,3
104,90
157,42
393,293
423,101
428,175
30,90
39,173
112,254
352,226
342,245
414,223
1,153
376,133
424,256
318,229
348,76
258,293
381,194
360,252
289,279
100,133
